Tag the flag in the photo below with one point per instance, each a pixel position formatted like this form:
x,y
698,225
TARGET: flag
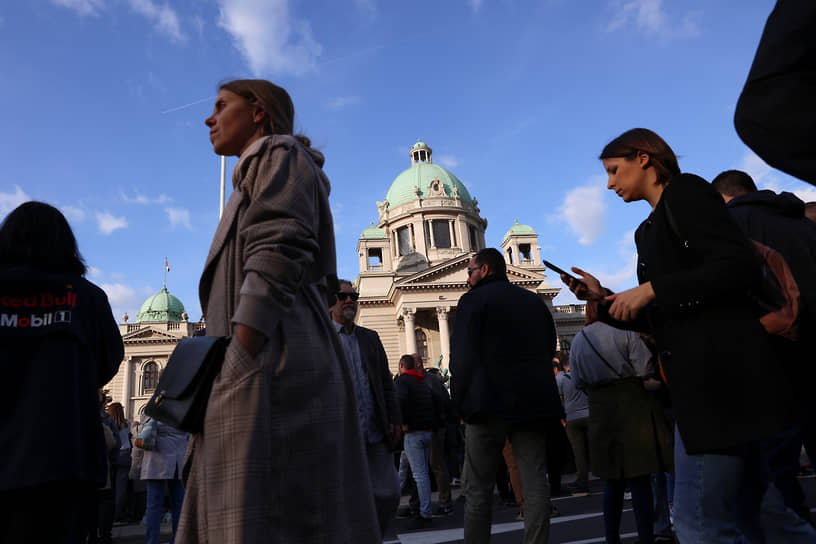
x,y
166,265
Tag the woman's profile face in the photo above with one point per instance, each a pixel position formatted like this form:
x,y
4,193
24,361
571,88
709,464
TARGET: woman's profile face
x,y
627,177
234,124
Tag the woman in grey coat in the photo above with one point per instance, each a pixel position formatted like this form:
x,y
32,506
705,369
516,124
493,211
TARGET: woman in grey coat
x,y
281,456
162,466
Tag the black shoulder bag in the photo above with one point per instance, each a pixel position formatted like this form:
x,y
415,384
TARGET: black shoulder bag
x,y
184,387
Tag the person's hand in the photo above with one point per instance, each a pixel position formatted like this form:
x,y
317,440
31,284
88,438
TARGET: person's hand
x,y
564,423
251,339
627,304
587,288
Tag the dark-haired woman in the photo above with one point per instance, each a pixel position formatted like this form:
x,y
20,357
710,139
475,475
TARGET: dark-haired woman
x,y
280,456
695,270
59,344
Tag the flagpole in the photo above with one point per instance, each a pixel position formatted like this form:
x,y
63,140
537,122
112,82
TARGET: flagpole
x,y
223,184
165,273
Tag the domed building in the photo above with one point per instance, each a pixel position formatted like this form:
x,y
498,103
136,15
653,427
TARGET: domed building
x,y
160,324
413,262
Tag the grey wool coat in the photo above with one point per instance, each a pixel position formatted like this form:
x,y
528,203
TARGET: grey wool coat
x,y
281,458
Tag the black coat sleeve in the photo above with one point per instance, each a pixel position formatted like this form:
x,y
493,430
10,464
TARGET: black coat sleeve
x,y
776,112
465,352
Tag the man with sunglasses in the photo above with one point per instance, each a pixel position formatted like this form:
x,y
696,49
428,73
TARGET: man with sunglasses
x,y
503,386
379,413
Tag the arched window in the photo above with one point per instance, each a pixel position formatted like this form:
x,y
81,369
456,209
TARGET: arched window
x,y
150,377
422,344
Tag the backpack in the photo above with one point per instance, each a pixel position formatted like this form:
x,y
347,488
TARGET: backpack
x,y
777,298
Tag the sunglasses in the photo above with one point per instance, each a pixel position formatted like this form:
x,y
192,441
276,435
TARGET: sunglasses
x,y
343,296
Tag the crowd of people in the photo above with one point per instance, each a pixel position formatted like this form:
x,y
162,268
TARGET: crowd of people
x,y
684,390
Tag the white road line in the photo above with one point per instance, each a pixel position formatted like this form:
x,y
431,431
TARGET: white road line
x,y
446,535
595,540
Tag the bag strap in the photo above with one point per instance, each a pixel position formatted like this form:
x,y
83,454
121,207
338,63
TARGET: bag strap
x,y
601,357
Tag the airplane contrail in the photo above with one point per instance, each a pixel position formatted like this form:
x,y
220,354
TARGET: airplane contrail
x,y
171,110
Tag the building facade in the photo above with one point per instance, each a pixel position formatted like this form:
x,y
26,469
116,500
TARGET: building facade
x,y
160,324
413,263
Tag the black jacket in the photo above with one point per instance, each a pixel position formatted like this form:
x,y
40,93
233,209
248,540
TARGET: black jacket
x,y
379,376
722,373
779,222
501,355
421,409
59,344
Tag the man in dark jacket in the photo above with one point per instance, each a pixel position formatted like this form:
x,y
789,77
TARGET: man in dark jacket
x,y
778,221
502,383
376,402
421,411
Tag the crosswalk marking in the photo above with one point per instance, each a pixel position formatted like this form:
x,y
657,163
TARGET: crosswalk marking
x,y
447,535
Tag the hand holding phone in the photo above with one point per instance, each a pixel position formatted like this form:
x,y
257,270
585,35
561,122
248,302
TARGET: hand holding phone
x,y
585,288
561,271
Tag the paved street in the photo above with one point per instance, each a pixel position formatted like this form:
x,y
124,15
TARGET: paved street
x,y
580,522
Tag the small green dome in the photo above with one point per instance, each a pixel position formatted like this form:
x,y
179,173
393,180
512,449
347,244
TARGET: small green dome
x,y
519,229
419,177
419,144
161,307
373,232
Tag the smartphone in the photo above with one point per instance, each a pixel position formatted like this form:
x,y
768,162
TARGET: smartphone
x,y
554,268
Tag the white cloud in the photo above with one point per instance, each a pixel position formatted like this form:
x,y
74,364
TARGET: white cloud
x,y
584,210
95,273
448,161
9,201
475,5
269,37
649,16
82,7
142,199
623,278
124,298
343,101
806,193
179,217
73,213
164,17
109,223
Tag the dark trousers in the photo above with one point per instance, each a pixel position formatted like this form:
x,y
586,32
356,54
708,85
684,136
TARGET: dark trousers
x,y
641,488
56,512
557,445
578,434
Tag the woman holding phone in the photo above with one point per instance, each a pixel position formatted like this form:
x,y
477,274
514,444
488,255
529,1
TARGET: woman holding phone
x,y
695,269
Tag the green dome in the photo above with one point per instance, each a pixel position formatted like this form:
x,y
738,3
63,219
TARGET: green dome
x,y
419,144
373,232
161,307
419,176
519,229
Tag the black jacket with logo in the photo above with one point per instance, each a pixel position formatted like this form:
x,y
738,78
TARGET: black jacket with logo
x,y
59,344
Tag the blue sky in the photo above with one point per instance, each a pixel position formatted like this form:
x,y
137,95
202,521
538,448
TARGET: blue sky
x,y
105,101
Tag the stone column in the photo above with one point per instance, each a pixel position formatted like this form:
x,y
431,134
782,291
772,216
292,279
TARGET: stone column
x,y
516,254
431,233
410,329
444,334
126,394
452,234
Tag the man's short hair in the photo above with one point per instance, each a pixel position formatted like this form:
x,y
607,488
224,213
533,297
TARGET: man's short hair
x,y
494,261
341,282
733,183
407,362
